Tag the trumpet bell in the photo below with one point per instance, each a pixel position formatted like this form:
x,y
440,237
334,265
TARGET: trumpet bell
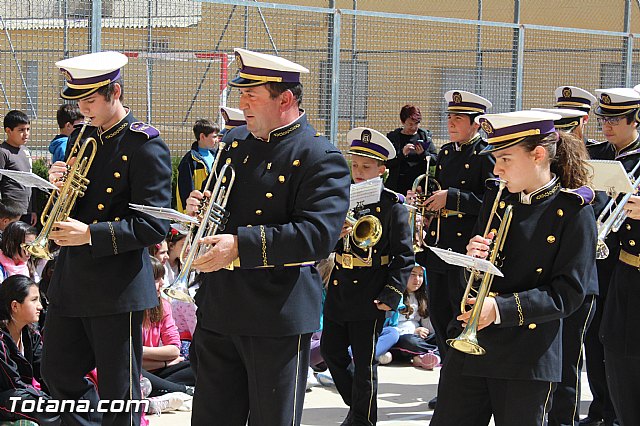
x,y
467,345
367,231
178,294
38,248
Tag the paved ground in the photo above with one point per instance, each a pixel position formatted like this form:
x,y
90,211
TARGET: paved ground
x,y
402,400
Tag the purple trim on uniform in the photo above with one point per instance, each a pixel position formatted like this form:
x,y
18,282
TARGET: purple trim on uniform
x,y
586,193
373,146
114,75
235,123
287,77
468,104
545,127
583,100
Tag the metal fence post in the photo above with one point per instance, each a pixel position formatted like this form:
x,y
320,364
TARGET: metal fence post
x,y
519,87
96,26
627,45
335,78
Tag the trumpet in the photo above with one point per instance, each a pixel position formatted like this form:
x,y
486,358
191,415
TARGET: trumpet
x,y
366,232
60,203
467,341
417,215
613,216
212,218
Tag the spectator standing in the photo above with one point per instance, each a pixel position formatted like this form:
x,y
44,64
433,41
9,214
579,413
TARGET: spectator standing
x,y
413,145
68,117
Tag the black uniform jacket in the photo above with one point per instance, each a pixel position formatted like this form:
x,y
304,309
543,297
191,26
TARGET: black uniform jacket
x,y
619,332
287,206
113,274
463,173
351,292
19,370
547,261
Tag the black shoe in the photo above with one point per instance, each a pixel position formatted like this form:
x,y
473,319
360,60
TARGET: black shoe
x,y
433,402
588,421
348,421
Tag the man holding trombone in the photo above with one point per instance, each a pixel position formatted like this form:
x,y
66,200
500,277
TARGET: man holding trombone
x,y
261,296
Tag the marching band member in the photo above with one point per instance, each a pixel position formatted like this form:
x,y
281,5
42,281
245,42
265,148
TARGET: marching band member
x,y
286,209
103,279
547,260
600,408
565,403
359,292
618,114
461,173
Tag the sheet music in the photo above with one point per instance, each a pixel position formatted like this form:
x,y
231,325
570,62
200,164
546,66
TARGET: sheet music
x,y
459,259
367,192
28,179
164,213
610,176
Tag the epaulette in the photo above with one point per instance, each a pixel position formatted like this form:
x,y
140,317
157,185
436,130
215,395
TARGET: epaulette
x,y
147,129
395,196
585,194
318,134
592,142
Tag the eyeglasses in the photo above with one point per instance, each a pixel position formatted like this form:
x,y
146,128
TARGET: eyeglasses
x,y
611,121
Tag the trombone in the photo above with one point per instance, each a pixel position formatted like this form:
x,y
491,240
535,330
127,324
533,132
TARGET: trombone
x,y
60,203
467,341
614,215
212,218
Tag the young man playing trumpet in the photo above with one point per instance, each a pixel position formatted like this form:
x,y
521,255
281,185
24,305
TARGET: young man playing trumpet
x,y
103,280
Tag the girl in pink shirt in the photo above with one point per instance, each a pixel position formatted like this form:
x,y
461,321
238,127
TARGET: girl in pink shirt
x,y
161,360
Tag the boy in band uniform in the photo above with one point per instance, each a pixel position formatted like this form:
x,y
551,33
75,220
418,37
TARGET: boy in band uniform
x,y
103,280
359,293
618,114
600,408
461,173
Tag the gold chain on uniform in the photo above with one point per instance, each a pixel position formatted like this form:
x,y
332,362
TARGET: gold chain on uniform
x,y
264,246
113,238
520,315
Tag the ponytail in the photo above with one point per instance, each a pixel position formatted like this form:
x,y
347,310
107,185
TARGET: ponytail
x,y
568,155
570,161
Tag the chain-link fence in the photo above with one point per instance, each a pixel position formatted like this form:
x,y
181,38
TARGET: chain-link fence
x,y
364,64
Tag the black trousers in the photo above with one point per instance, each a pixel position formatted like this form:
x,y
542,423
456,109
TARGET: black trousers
x,y
359,389
75,346
174,378
261,379
471,401
565,406
601,406
444,292
623,376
